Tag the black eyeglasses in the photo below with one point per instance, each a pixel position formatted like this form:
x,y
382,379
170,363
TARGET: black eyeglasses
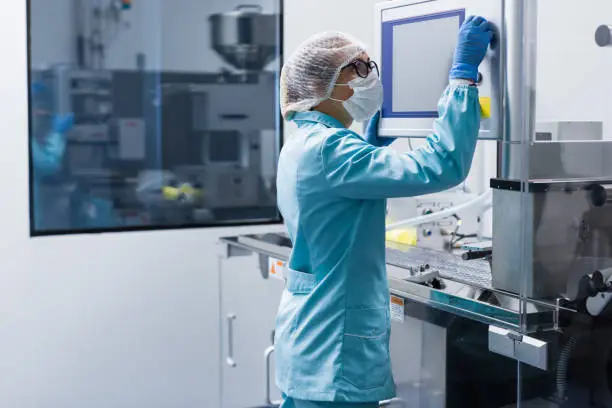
x,y
363,68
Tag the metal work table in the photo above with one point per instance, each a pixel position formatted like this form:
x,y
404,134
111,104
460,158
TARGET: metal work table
x,y
443,310
465,286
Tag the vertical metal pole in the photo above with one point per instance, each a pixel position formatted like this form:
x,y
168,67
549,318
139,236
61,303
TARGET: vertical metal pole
x,y
517,93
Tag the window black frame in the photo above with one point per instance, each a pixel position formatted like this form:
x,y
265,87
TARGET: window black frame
x,y
190,226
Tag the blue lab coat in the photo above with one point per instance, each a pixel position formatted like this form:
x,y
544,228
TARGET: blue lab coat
x,y
333,325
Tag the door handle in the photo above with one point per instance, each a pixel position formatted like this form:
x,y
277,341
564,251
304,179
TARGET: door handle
x,y
394,401
268,392
230,340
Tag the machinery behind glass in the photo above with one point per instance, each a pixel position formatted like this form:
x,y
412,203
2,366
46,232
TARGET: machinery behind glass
x,y
176,148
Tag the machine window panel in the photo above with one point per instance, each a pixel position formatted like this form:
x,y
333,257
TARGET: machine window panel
x,y
132,128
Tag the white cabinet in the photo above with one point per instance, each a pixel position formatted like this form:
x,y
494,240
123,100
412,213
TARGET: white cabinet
x,y
249,302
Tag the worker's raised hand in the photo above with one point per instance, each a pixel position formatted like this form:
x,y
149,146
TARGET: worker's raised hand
x,y
371,133
63,123
475,35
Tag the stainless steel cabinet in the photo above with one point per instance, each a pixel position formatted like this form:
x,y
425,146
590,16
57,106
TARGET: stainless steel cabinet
x,y
249,302
418,354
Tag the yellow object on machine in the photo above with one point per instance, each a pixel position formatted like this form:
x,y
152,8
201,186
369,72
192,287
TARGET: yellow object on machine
x,y
184,192
485,107
401,237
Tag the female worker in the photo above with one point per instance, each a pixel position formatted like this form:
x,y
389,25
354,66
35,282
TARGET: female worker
x,y
55,207
48,144
332,336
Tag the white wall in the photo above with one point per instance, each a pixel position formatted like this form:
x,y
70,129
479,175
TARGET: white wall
x,y
306,18
573,78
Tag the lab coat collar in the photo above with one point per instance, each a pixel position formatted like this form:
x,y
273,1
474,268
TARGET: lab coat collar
x,y
317,117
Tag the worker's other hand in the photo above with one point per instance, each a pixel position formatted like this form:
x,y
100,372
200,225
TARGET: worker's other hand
x,y
475,35
371,133
63,123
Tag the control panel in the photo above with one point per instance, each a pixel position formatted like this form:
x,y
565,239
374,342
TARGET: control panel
x,y
437,234
416,39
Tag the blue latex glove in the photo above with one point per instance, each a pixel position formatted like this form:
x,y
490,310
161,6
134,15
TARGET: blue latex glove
x,y
371,133
63,123
475,35
38,88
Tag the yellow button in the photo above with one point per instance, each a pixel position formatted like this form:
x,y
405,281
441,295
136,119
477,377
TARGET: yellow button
x,y
485,107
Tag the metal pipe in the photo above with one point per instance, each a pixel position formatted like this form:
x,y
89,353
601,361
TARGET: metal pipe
x,y
79,35
449,212
519,71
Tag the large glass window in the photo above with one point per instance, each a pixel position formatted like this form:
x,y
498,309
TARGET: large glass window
x,y
153,113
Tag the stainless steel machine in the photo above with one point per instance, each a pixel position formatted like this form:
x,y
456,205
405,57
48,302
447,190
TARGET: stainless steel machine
x,y
92,141
567,235
540,290
246,38
230,125
230,117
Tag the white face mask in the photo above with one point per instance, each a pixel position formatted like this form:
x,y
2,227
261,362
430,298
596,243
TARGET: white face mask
x,y
366,100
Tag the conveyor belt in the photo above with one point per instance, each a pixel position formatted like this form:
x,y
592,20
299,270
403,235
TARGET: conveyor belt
x,y
476,272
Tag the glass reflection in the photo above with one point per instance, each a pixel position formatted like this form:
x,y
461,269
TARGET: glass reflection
x,y
133,127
